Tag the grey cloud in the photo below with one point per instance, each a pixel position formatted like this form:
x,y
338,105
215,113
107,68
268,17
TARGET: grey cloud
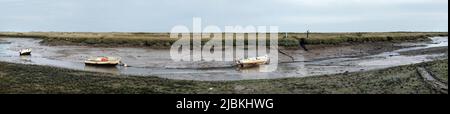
x,y
161,15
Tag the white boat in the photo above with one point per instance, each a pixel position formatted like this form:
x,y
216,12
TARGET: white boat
x,y
255,61
103,61
25,52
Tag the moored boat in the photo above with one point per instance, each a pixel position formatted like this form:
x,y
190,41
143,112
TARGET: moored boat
x,y
108,61
254,61
25,52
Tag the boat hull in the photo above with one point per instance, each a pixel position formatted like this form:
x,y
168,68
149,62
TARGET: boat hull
x,y
252,62
101,64
103,61
25,53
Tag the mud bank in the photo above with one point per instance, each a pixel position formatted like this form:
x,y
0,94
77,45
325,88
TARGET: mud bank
x,y
33,79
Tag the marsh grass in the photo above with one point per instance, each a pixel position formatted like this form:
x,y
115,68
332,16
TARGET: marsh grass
x,y
164,40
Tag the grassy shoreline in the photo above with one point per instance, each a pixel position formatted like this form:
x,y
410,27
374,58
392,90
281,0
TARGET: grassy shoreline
x,y
164,40
19,78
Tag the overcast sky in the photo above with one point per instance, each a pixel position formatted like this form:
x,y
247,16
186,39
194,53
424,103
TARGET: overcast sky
x,y
162,15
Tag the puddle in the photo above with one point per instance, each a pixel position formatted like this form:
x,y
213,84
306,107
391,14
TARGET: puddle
x,y
157,62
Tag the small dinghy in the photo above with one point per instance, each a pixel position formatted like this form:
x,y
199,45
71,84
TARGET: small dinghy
x,y
255,61
103,61
25,52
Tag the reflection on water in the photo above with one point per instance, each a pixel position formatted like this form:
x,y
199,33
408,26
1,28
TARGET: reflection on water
x,y
106,69
257,69
151,62
26,58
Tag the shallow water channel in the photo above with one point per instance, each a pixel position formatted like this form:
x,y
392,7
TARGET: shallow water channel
x,y
157,62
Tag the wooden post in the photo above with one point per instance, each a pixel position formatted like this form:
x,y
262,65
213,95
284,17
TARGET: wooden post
x,y
307,34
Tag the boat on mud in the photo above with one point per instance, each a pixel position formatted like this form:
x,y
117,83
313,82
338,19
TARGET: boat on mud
x,y
254,61
25,52
103,61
